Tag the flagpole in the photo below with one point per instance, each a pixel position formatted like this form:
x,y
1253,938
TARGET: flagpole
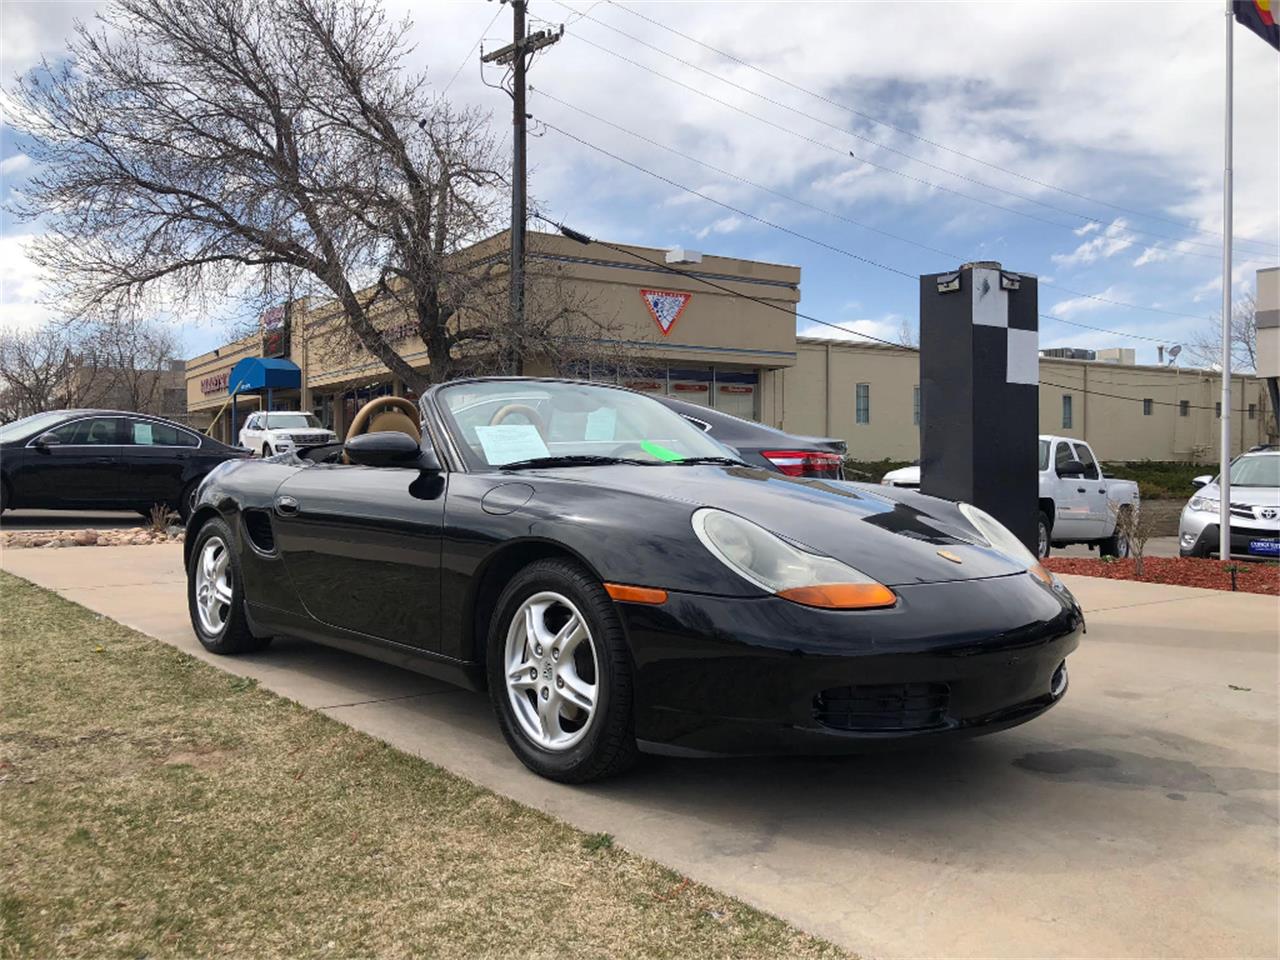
x,y
1224,452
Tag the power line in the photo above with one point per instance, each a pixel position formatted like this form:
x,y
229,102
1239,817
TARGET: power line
x,y
909,133
839,216
728,206
580,237
802,236
898,173
471,52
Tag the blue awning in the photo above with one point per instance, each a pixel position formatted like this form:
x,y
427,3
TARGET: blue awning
x,y
263,373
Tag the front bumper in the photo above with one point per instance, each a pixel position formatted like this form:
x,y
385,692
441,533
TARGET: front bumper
x,y
1199,537
732,676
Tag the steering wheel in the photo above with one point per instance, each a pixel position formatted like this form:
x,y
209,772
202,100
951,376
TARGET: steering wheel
x,y
523,410
387,413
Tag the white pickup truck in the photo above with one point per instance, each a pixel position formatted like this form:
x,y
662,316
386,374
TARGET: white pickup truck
x,y
1077,503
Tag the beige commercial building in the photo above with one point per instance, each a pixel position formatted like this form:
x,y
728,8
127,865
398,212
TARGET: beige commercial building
x,y
721,332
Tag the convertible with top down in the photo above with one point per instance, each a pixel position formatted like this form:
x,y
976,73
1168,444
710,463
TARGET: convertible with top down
x,y
620,582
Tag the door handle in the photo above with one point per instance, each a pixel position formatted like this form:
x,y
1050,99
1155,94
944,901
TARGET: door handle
x,y
1081,490
286,507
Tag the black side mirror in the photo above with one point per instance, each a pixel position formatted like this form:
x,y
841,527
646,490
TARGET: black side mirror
x,y
390,448
47,440
1071,468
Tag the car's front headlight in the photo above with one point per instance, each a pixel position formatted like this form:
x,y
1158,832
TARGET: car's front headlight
x,y
778,567
1204,504
1001,538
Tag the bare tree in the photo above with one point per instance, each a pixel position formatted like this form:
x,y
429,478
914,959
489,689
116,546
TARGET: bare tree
x,y
193,147
1205,347
908,335
42,369
131,358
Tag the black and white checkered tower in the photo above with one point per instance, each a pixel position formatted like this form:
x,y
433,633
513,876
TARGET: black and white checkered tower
x,y
980,392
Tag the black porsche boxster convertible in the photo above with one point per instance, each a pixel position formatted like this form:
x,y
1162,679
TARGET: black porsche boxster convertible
x,y
621,582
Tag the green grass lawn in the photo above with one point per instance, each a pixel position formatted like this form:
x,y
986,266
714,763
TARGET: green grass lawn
x,y
151,805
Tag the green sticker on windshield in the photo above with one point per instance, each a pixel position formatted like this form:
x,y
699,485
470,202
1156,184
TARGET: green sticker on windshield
x,y
659,451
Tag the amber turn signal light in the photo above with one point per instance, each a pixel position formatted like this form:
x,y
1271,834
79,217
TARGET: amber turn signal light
x,y
842,596
626,594
1041,574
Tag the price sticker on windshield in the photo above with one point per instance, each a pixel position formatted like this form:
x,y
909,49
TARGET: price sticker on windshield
x,y
511,442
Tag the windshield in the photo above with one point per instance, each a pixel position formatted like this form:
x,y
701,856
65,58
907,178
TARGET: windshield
x,y
499,422
292,421
29,426
1261,471
1044,454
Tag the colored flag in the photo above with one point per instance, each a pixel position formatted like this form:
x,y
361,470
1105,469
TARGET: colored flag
x,y
1260,17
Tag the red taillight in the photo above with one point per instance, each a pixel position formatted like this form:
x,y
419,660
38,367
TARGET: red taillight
x,y
805,463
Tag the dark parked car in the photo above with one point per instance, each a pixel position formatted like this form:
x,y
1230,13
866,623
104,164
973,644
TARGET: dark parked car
x,y
766,447
620,581
104,459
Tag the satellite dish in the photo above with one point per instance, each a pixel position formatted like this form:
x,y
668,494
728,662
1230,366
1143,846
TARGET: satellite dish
x,y
1175,350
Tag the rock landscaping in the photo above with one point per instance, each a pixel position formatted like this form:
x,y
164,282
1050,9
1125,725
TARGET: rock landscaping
x,y
55,539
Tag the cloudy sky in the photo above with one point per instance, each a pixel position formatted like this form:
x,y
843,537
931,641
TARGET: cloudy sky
x,y
1081,142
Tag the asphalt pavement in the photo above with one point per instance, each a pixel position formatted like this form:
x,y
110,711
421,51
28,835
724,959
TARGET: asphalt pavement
x,y
1138,818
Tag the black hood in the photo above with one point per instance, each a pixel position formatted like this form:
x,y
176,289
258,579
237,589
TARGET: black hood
x,y
894,537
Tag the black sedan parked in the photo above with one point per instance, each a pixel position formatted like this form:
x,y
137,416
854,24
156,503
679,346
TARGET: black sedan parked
x,y
766,447
621,581
104,459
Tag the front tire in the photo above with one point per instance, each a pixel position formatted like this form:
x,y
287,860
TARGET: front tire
x,y
1043,530
267,451
560,676
215,594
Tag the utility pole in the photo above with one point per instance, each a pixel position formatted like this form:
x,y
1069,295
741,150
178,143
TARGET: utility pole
x,y
516,54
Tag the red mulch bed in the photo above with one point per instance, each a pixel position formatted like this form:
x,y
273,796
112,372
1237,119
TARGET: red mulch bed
x,y
1251,577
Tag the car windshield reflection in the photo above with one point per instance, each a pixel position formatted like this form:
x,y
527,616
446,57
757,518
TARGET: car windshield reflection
x,y
520,424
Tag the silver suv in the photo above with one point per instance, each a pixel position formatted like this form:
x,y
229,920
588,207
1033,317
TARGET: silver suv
x,y
1255,509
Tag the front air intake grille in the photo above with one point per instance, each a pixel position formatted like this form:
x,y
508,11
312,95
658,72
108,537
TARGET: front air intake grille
x,y
257,524
883,707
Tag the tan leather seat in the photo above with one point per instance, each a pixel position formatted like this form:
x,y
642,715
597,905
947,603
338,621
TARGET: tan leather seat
x,y
386,414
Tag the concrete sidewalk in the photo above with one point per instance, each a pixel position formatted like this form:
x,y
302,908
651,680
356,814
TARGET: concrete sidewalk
x,y
1138,818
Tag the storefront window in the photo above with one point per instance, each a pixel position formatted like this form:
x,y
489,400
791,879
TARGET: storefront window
x,y
692,386
736,393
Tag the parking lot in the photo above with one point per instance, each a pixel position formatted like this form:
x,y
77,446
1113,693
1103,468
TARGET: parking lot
x,y
1136,819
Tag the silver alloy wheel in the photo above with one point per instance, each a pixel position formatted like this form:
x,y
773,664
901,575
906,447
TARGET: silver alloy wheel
x,y
553,676
213,586
1042,540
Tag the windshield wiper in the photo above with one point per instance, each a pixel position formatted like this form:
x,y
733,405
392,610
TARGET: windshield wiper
x,y
575,460
686,461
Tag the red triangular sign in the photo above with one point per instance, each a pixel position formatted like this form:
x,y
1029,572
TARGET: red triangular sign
x,y
665,306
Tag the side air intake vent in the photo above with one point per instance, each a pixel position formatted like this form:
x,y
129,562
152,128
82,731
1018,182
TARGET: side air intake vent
x,y
258,525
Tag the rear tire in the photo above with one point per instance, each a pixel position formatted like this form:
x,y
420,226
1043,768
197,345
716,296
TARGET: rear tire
x,y
267,451
533,692
215,593
1043,529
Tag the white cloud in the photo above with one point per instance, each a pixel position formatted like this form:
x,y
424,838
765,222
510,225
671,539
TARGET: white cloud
x,y
1111,241
1065,308
10,166
1089,227
888,327
1155,254
21,285
723,225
